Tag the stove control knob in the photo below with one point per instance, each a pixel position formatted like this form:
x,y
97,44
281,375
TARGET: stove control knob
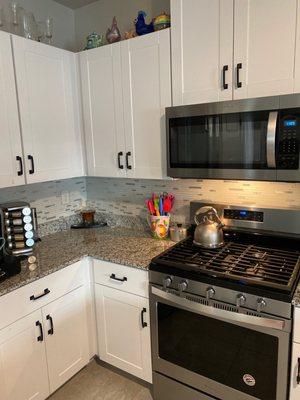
x,y
182,286
167,282
261,304
240,300
210,293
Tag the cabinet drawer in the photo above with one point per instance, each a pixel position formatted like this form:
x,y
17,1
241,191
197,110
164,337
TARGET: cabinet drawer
x,y
30,297
295,387
120,277
297,325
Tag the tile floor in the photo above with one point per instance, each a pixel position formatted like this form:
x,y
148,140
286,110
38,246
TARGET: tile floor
x,y
95,382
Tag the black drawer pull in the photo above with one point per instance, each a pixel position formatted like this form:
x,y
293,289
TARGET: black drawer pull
x,y
51,330
144,324
33,297
120,154
238,68
30,158
20,172
41,337
128,154
298,373
113,276
225,69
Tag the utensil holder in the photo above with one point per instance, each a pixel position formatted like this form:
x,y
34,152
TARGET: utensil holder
x,y
159,226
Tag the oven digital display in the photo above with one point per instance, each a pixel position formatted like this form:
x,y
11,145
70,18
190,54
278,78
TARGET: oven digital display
x,y
244,215
290,123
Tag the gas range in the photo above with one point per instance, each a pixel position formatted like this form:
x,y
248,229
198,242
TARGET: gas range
x,y
232,304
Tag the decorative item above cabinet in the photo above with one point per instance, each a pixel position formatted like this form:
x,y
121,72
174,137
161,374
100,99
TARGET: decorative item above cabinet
x,y
229,49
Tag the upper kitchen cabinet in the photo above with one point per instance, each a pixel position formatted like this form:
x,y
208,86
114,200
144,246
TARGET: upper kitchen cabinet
x,y
264,47
101,78
49,110
202,50
11,156
126,87
234,49
146,72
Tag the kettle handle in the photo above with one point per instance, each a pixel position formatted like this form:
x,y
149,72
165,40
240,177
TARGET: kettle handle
x,y
206,212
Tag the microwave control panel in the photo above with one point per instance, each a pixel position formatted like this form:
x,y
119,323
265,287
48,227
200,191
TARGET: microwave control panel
x,y
288,141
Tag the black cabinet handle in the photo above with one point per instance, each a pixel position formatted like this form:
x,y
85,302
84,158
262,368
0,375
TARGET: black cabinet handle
x,y
20,172
33,297
30,158
41,337
128,154
120,154
51,330
225,69
298,373
144,324
238,68
113,276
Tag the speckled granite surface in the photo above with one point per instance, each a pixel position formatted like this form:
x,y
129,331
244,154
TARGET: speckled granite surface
x,y
134,248
296,299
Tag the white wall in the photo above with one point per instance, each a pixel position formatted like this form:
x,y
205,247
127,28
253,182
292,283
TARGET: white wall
x,y
98,16
63,19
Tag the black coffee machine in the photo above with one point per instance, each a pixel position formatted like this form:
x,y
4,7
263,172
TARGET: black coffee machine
x,y
18,227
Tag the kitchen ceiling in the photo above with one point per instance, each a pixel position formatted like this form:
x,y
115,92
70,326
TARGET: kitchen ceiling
x,y
75,3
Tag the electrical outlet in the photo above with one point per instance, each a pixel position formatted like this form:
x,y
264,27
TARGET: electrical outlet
x,y
65,197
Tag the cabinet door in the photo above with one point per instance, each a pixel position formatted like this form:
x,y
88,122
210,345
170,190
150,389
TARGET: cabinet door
x,y
101,79
66,337
264,47
10,136
23,366
146,92
122,340
48,101
202,45
295,371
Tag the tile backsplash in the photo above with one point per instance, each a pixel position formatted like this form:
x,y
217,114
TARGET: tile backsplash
x,y
126,197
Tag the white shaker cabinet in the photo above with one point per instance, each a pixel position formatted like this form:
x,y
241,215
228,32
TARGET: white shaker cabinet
x,y
146,71
23,365
295,372
202,50
264,47
49,110
125,89
11,154
101,79
66,336
124,331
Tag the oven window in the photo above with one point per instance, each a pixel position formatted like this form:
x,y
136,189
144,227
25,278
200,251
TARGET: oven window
x,y
231,355
236,141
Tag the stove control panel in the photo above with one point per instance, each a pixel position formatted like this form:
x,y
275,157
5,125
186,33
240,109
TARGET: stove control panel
x,y
244,215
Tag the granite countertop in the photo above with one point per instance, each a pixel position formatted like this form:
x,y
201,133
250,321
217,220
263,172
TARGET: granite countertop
x,y
124,246
296,298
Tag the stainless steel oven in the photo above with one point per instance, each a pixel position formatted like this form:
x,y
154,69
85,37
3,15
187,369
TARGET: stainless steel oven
x,y
255,139
205,350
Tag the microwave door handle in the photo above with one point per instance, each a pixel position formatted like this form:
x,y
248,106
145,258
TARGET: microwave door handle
x,y
223,315
271,139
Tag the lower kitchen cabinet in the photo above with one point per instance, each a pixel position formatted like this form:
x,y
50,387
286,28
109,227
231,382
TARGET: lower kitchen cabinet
x,y
23,364
66,337
124,331
295,371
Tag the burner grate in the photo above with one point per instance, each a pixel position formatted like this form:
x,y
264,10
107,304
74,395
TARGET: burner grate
x,y
277,268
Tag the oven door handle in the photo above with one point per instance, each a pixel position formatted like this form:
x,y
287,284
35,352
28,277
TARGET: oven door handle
x,y
271,139
220,314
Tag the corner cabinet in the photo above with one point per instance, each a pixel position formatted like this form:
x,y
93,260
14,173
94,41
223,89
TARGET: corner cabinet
x,y
11,154
126,87
47,87
234,49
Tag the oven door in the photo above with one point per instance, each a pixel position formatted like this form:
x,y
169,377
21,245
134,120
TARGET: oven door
x,y
227,355
237,145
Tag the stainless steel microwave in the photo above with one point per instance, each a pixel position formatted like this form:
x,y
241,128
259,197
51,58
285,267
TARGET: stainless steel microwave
x,y
253,139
